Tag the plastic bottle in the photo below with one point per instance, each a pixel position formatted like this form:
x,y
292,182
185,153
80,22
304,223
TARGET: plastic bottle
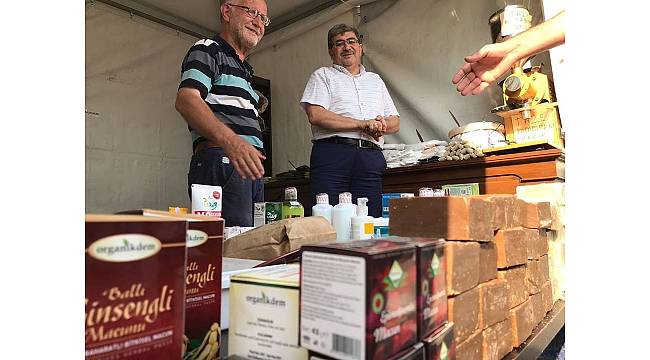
x,y
322,207
341,216
361,225
291,208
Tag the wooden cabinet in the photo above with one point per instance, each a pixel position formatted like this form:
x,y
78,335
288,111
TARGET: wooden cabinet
x,y
495,174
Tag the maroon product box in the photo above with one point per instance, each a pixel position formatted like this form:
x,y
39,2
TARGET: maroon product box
x,y
358,299
135,287
431,290
441,345
202,284
415,352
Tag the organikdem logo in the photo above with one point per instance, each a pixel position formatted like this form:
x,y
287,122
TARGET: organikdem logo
x,y
434,267
265,300
196,237
395,276
124,247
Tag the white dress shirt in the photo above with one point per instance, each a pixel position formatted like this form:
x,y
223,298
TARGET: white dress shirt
x,y
362,96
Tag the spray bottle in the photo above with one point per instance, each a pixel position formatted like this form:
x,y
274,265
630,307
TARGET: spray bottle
x,y
362,226
322,207
341,216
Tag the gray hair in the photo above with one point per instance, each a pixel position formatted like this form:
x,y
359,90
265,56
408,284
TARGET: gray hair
x,y
339,29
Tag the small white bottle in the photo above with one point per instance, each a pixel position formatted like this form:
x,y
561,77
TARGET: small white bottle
x,y
361,226
341,216
322,207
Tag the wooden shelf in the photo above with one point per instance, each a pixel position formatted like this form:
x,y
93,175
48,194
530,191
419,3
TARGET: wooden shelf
x,y
495,174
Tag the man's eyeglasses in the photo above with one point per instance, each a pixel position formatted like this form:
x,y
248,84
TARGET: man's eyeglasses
x,y
350,41
253,13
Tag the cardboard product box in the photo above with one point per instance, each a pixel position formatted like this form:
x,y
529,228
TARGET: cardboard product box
x,y
431,289
230,267
264,309
202,283
462,218
441,344
135,287
266,213
358,299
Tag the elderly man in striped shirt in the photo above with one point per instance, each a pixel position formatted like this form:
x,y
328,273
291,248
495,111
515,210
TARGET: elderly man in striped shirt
x,y
349,110
217,101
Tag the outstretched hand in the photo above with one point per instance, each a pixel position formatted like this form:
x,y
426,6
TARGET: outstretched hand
x,y
484,67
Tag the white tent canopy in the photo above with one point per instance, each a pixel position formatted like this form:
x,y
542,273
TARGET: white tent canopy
x,y
138,146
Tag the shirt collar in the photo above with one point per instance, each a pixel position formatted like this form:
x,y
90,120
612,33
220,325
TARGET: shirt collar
x,y
340,68
228,49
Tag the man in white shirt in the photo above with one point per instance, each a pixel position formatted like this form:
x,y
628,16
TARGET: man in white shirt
x,y
349,110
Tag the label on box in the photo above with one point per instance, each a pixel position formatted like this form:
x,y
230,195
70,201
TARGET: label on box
x,y
461,189
333,305
266,321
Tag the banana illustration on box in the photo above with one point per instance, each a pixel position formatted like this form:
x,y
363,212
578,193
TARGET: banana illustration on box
x,y
209,347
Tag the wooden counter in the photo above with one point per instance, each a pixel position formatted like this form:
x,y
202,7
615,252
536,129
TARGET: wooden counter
x,y
495,174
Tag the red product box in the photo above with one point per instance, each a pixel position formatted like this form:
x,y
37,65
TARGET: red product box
x,y
135,287
358,299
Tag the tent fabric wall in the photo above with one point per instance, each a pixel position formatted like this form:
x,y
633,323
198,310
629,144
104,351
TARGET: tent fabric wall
x,y
415,46
137,145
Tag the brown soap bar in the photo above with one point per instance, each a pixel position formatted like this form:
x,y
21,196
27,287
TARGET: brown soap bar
x,y
509,211
537,303
522,321
497,340
511,247
536,243
450,217
493,301
547,296
487,262
463,311
537,274
471,348
537,215
516,284
462,266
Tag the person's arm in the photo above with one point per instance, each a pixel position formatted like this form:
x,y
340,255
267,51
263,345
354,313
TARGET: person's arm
x,y
246,160
491,61
326,119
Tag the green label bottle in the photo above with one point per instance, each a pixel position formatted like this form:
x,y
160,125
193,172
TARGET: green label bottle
x,y
291,208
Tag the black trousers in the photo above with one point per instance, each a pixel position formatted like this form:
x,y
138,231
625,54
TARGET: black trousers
x,y
337,168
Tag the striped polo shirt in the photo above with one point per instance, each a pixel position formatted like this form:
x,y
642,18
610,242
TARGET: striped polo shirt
x,y
213,67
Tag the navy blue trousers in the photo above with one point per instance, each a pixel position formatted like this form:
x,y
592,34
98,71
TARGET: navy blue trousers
x,y
210,166
337,168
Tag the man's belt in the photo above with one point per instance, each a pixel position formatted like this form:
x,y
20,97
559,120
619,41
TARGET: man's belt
x,y
204,145
365,144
